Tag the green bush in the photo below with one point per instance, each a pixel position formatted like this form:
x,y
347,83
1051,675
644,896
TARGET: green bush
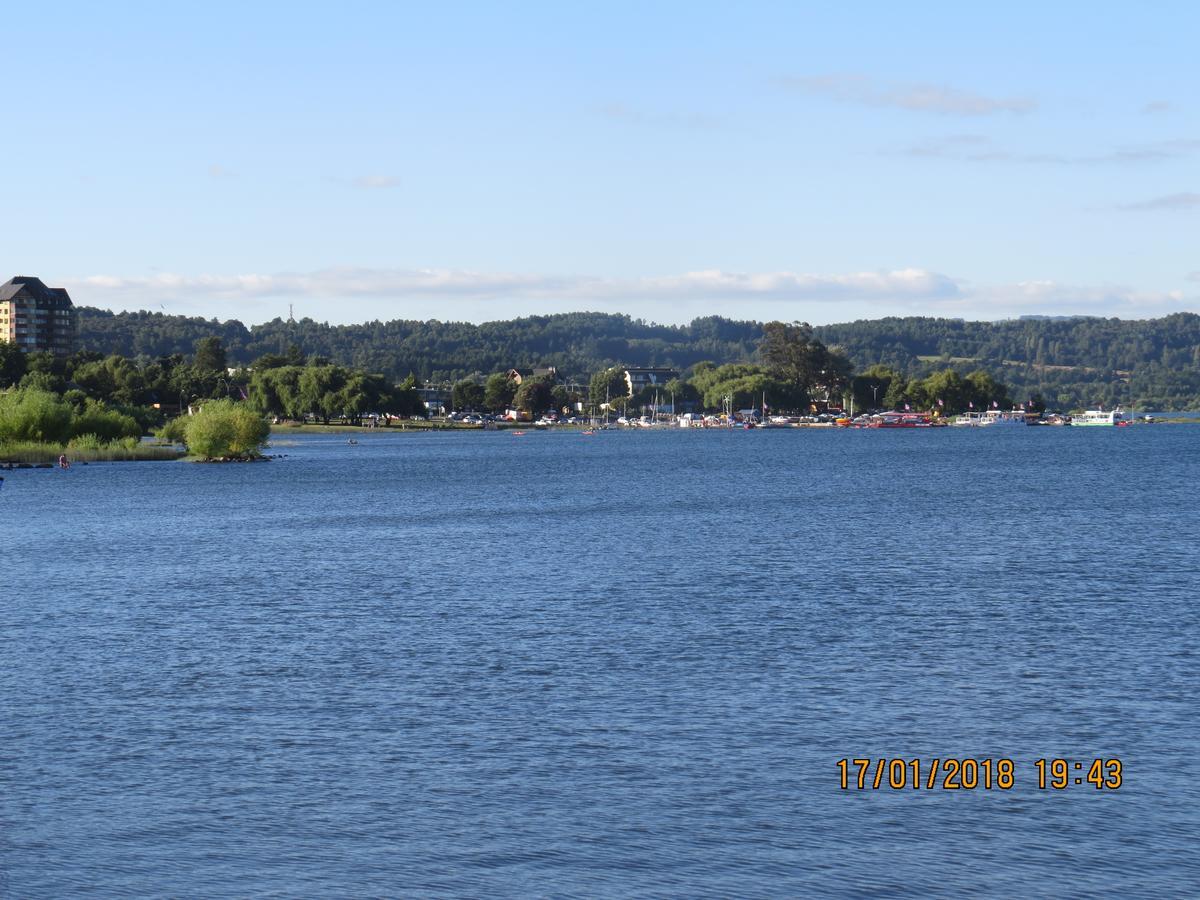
x,y
174,432
34,415
106,424
85,442
223,429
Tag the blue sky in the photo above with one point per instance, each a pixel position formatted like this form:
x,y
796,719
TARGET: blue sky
x,y
823,162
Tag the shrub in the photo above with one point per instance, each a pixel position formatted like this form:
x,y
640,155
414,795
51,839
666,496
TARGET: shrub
x,y
106,424
85,442
224,429
34,415
175,431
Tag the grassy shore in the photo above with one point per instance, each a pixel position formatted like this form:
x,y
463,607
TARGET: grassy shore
x,y
32,453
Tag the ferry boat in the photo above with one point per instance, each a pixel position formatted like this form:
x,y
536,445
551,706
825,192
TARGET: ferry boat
x,y
1100,417
968,420
1004,417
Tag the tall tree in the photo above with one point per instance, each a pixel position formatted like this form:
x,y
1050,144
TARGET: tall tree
x,y
210,355
607,386
12,364
793,355
534,396
498,392
467,394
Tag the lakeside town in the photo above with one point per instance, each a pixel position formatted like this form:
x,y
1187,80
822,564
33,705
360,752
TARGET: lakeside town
x,y
57,399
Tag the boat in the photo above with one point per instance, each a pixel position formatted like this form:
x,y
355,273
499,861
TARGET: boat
x,y
901,420
968,420
1001,417
1101,417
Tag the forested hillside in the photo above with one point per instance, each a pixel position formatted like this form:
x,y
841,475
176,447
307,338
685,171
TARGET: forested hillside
x,y
1153,363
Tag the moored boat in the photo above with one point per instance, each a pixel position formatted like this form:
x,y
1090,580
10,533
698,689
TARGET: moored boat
x,y
901,420
1003,417
1100,417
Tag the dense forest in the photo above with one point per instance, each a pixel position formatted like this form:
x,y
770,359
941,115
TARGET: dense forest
x,y
1071,362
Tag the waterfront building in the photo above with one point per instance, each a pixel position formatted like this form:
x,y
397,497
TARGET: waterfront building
x,y
36,317
637,379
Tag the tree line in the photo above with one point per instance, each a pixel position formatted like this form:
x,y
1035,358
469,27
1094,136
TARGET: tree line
x,y
1072,362
144,391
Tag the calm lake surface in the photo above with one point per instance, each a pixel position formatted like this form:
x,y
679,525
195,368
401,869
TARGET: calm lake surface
x,y
558,665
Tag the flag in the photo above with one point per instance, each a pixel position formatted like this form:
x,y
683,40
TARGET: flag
x,y
970,404
996,404
907,408
940,403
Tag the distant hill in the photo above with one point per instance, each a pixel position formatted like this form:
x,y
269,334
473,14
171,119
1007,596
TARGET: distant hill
x,y
1154,363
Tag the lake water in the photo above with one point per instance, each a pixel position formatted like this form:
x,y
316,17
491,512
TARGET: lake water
x,y
559,665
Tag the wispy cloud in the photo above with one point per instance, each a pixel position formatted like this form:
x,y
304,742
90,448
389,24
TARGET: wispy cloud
x,y
1180,201
978,148
363,294
219,171
931,98
1058,298
375,182
1156,106
350,282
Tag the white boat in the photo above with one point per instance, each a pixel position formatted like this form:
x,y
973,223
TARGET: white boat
x,y
1101,417
969,420
1000,417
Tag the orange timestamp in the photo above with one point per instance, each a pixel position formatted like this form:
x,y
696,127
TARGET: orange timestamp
x,y
954,774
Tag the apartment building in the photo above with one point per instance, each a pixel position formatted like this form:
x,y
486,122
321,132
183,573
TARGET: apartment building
x,y
36,317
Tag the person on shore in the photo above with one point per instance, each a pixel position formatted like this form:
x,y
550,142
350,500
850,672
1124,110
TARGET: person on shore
x,y
63,462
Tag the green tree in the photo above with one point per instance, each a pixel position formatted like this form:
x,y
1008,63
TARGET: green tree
x,y
792,355
405,401
319,390
223,429
608,386
106,424
498,392
29,414
113,379
986,392
897,394
946,386
870,389
563,400
534,396
210,355
12,364
468,394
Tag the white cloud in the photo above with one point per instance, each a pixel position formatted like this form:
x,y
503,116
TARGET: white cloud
x,y
350,282
979,148
1180,201
1049,297
1156,106
219,171
932,98
355,295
